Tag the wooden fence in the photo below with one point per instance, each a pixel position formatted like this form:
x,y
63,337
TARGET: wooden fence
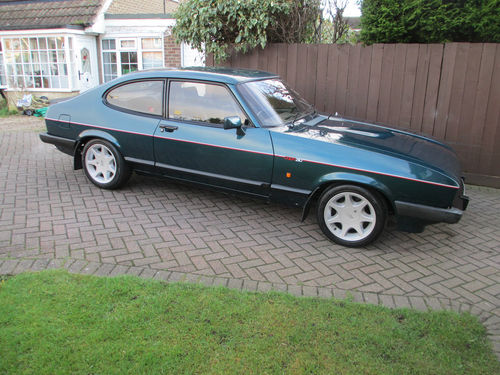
x,y
450,92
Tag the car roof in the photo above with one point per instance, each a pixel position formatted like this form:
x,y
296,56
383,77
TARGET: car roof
x,y
217,74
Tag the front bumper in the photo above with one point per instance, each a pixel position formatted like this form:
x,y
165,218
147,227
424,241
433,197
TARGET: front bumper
x,y
63,144
431,214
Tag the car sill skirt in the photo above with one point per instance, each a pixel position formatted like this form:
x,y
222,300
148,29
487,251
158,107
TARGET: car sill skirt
x,y
428,213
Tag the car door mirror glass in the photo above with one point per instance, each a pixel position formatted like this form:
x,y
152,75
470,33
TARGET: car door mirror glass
x,y
232,122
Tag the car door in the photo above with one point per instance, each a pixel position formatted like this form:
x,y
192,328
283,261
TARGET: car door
x,y
191,142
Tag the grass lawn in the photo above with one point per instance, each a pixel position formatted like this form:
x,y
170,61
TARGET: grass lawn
x,y
54,322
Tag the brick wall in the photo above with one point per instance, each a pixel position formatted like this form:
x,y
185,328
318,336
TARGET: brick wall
x,y
142,7
172,51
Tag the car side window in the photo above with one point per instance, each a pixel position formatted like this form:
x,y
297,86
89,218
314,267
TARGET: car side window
x,y
140,96
202,102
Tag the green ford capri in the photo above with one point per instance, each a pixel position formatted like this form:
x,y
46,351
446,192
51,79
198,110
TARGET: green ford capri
x,y
248,132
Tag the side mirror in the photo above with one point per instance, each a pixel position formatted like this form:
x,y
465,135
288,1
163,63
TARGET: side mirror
x,y
232,122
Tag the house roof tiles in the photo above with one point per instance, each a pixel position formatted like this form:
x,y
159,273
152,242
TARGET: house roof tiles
x,y
40,14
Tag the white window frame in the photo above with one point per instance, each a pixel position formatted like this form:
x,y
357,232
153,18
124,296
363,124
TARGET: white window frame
x,y
3,77
69,61
138,48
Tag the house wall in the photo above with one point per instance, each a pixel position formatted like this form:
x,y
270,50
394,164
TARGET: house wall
x,y
172,51
191,56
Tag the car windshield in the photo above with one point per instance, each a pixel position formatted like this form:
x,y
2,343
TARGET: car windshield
x,y
274,103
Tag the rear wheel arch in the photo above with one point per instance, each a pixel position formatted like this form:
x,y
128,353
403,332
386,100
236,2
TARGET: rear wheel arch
x,y
87,136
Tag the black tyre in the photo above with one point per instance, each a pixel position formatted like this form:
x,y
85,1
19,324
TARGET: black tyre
x,y
351,215
104,165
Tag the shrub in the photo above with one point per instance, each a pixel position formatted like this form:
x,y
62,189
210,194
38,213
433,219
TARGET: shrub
x,y
216,26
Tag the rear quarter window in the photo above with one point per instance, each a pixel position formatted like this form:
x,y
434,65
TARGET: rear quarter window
x,y
140,96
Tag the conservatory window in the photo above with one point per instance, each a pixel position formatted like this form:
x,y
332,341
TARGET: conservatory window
x,y
38,62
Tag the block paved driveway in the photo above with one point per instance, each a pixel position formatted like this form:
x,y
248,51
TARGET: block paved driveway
x,y
51,216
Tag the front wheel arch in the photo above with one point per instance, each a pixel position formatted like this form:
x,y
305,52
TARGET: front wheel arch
x,y
372,185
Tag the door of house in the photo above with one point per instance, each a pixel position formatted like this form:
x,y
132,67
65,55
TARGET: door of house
x,y
86,64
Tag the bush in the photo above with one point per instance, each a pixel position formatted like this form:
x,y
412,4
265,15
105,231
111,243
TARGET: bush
x,y
218,25
430,21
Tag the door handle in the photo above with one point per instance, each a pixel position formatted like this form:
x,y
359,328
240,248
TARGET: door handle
x,y
168,128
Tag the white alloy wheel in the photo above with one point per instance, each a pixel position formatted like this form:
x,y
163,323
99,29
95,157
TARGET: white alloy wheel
x,y
349,216
100,163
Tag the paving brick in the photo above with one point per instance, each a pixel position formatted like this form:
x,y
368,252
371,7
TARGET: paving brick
x,y
387,301
176,276
134,271
250,285
433,303
8,266
207,281
146,261
306,276
296,290
218,267
371,298
162,275
39,265
289,271
129,256
147,273
220,281
77,266
235,283
278,287
418,303
402,301
339,294
90,268
119,270
56,263
104,270
23,266
310,291
263,286
324,292
349,284
474,286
